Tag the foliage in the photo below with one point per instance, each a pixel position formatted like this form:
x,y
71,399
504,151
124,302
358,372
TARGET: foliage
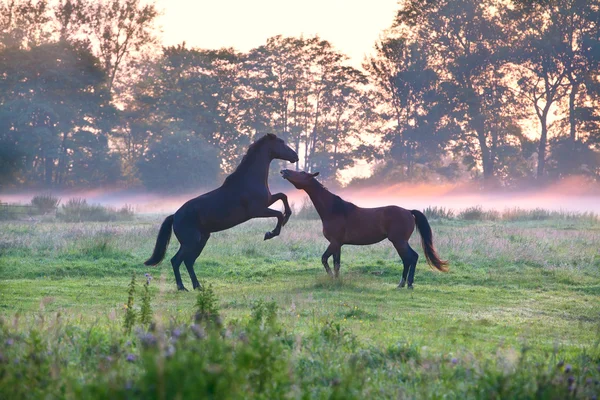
x,y
146,307
435,212
207,309
78,210
256,358
306,210
130,313
45,203
180,162
498,91
477,213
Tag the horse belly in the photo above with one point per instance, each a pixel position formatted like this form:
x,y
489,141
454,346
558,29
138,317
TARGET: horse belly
x,y
364,231
221,220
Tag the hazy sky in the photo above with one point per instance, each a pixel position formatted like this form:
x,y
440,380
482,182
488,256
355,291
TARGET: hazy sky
x,y
351,26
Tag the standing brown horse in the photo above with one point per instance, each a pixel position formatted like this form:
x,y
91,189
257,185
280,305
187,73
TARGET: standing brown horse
x,y
345,223
244,195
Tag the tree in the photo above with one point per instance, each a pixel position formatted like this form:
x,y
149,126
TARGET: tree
x,y
122,29
188,90
414,107
179,162
56,112
302,89
463,39
24,23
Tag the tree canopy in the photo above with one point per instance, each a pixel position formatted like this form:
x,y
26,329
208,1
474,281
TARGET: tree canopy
x,y
495,91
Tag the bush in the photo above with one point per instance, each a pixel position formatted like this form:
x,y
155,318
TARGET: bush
x,y
78,210
306,210
45,203
438,212
477,213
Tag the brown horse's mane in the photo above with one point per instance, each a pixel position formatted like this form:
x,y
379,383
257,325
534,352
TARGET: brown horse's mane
x,y
339,206
251,153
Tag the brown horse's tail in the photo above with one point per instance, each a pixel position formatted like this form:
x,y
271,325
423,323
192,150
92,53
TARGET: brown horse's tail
x,y
162,242
427,242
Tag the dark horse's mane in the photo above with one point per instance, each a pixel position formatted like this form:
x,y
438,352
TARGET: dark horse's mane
x,y
251,153
340,206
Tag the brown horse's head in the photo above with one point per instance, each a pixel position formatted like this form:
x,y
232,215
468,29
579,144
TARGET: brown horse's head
x,y
300,179
279,150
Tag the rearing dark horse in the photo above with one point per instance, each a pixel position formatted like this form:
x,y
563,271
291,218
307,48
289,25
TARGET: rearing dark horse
x,y
244,195
345,223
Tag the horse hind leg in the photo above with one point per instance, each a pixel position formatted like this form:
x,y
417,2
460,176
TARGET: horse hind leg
x,y
175,263
189,258
336,262
409,260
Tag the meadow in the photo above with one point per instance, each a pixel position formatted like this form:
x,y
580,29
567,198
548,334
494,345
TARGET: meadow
x,y
517,316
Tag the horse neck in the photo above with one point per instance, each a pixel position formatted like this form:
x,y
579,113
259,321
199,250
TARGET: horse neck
x,y
321,198
255,168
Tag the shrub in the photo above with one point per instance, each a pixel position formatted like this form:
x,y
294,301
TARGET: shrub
x,y
477,213
45,203
306,210
78,210
438,212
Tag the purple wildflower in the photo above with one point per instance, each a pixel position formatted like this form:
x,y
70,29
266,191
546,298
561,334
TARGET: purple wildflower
x,y
170,351
131,357
568,368
198,331
454,361
9,342
147,339
570,380
176,333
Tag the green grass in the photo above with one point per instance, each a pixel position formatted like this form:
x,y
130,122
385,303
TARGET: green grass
x,y
531,285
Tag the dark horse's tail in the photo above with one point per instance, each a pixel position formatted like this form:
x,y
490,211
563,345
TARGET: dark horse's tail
x,y
427,242
162,241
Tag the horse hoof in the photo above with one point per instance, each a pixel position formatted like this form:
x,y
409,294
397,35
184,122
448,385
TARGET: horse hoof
x,y
410,287
269,235
182,289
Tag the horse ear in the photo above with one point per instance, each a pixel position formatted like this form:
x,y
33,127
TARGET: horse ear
x,y
315,174
272,136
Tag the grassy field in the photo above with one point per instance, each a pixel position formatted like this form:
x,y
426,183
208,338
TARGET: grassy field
x,y
517,316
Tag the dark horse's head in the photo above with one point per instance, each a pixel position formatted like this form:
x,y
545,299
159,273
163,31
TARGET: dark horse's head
x,y
277,148
300,179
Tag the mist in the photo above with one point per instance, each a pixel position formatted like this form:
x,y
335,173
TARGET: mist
x,y
573,194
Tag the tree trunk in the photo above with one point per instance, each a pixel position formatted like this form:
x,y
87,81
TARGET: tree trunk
x,y
486,160
542,148
572,119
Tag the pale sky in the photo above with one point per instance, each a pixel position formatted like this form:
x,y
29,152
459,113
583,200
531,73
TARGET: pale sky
x,y
351,26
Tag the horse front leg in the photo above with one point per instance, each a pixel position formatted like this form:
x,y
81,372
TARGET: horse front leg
x,y
287,210
332,250
269,213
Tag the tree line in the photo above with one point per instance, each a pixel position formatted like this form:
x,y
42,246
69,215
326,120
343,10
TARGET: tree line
x,y
498,91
